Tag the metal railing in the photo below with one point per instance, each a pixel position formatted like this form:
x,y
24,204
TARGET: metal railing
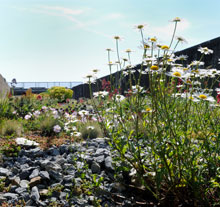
x,y
27,85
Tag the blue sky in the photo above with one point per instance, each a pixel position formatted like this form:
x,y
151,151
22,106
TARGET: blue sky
x,y
51,40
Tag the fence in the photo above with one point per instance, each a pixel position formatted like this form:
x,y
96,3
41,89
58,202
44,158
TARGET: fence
x,y
26,85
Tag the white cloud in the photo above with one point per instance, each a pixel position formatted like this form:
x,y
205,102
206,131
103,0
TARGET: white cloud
x,y
64,10
164,33
70,14
113,16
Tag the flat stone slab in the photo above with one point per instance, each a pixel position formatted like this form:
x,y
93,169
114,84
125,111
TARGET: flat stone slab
x,y
25,142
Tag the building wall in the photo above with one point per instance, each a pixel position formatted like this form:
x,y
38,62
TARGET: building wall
x,y
211,61
4,87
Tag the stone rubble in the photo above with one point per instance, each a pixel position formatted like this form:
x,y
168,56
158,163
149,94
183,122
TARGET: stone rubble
x,y
33,174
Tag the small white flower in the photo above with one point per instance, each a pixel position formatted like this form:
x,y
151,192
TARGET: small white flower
x,y
55,114
76,134
36,113
74,128
66,128
197,63
119,97
205,50
90,127
57,129
181,57
204,97
100,94
125,73
83,113
28,116
140,26
44,108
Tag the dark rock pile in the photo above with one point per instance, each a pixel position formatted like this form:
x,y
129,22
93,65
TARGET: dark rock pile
x,y
65,175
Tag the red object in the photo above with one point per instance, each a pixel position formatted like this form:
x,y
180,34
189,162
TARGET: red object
x,y
218,98
39,97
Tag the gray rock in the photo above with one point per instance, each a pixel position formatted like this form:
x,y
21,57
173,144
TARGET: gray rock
x,y
44,163
60,160
68,185
20,190
24,166
35,194
63,196
29,203
70,159
25,174
15,170
100,159
26,196
108,164
34,173
4,172
56,175
2,199
53,167
33,153
44,175
77,181
10,196
40,203
68,178
64,149
22,160
15,180
95,167
24,183
53,151
101,151
42,186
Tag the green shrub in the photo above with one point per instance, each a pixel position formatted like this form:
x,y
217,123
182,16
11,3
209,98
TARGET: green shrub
x,y
47,124
166,136
10,148
11,128
91,130
60,93
5,108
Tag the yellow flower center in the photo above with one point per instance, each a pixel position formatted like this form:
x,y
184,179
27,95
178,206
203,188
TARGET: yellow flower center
x,y
178,74
153,39
202,96
154,67
185,69
191,98
177,19
195,71
189,81
146,46
164,47
148,109
141,26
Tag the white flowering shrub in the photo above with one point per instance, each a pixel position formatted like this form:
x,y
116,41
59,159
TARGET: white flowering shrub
x,y
166,136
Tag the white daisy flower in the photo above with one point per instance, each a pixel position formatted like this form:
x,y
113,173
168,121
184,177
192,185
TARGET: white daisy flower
x,y
205,50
